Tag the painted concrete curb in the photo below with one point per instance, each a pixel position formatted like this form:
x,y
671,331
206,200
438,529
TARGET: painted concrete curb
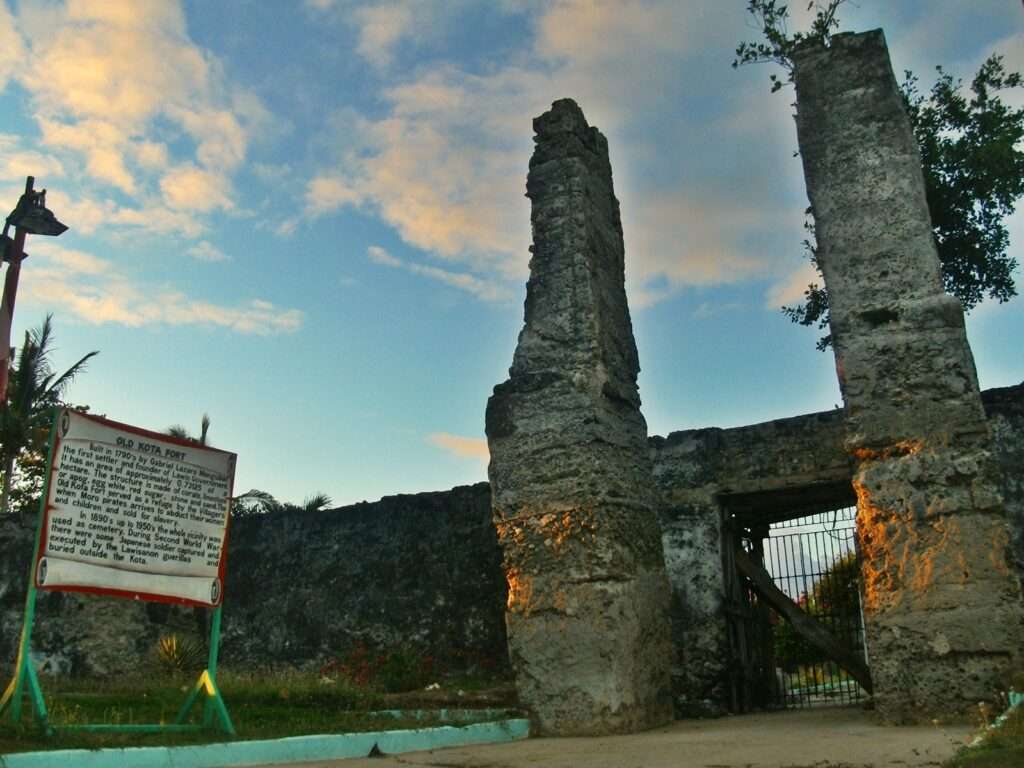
x,y
291,750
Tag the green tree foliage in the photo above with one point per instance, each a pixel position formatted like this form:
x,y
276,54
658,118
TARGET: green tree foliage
x,y
835,601
971,156
182,433
257,502
778,44
33,390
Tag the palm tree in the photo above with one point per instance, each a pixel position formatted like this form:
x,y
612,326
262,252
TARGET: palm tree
x,y
33,390
257,502
182,433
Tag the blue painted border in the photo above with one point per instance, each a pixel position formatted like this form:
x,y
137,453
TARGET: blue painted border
x,y
294,749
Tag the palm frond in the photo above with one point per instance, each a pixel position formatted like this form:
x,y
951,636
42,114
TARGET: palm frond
x,y
57,386
315,502
178,431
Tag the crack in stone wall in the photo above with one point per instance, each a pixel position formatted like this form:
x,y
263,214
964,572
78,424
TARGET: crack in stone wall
x,y
941,598
573,497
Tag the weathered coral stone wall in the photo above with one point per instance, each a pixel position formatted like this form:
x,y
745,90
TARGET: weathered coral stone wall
x,y
705,475
942,603
1004,408
425,569
768,471
574,501
421,571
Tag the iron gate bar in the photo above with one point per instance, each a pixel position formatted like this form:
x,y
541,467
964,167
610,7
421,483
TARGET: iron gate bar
x,y
801,553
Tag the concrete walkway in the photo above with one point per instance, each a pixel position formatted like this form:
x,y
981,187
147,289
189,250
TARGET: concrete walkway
x,y
844,737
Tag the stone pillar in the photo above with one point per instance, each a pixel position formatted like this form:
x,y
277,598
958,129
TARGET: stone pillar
x,y
943,605
573,495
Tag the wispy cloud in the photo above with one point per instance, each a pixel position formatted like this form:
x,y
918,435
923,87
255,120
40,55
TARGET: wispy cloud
x,y
379,256
204,250
463,447
12,48
92,289
444,166
188,188
381,27
17,162
485,290
789,290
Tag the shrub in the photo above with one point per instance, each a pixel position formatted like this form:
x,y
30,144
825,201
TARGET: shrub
x,y
177,654
392,671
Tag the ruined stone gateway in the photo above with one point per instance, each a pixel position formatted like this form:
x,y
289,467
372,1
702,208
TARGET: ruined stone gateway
x,y
570,484
573,496
613,564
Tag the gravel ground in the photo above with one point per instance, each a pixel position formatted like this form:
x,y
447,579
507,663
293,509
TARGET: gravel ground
x,y
836,737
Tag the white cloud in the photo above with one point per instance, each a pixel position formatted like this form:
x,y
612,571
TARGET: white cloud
x,y
485,290
384,26
449,180
684,238
12,49
82,214
155,218
188,188
380,29
206,251
109,81
286,228
463,447
789,290
73,262
329,193
379,256
16,162
151,154
93,290
445,165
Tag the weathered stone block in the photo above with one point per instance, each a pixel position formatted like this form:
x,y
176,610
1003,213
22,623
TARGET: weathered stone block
x,y
930,513
573,494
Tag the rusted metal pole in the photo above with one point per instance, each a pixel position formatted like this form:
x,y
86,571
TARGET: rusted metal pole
x,y
10,293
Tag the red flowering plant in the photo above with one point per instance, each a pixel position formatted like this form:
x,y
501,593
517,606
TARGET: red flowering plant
x,y
392,670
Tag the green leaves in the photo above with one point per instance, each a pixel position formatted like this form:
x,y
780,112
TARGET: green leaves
x,y
778,45
971,158
34,389
974,174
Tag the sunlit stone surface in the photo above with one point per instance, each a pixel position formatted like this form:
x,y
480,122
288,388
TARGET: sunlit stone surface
x,y
573,496
943,604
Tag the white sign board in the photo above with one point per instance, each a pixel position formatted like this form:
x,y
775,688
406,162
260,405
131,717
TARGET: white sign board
x,y
134,513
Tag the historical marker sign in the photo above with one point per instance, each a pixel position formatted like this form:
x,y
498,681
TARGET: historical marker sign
x,y
134,513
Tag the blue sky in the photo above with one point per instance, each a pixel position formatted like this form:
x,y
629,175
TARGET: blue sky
x,y
308,220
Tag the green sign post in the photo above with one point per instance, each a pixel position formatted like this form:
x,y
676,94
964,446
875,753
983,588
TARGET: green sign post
x,y
79,563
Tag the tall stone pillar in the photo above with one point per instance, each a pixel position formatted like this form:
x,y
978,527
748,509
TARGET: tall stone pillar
x,y
573,495
943,606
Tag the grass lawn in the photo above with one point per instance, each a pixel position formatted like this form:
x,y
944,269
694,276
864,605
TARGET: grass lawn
x,y
261,707
1003,748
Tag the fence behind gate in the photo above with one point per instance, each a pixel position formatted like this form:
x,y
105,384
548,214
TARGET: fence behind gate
x,y
814,560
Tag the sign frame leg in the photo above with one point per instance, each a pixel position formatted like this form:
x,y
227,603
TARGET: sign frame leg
x,y
213,702
24,672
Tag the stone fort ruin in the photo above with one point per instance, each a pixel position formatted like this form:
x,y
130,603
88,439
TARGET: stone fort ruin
x,y
621,574
941,596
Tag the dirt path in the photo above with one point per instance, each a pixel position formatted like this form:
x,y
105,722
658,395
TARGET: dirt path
x,y
826,737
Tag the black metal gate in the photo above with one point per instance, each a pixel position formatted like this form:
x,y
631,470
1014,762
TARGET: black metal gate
x,y
814,560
